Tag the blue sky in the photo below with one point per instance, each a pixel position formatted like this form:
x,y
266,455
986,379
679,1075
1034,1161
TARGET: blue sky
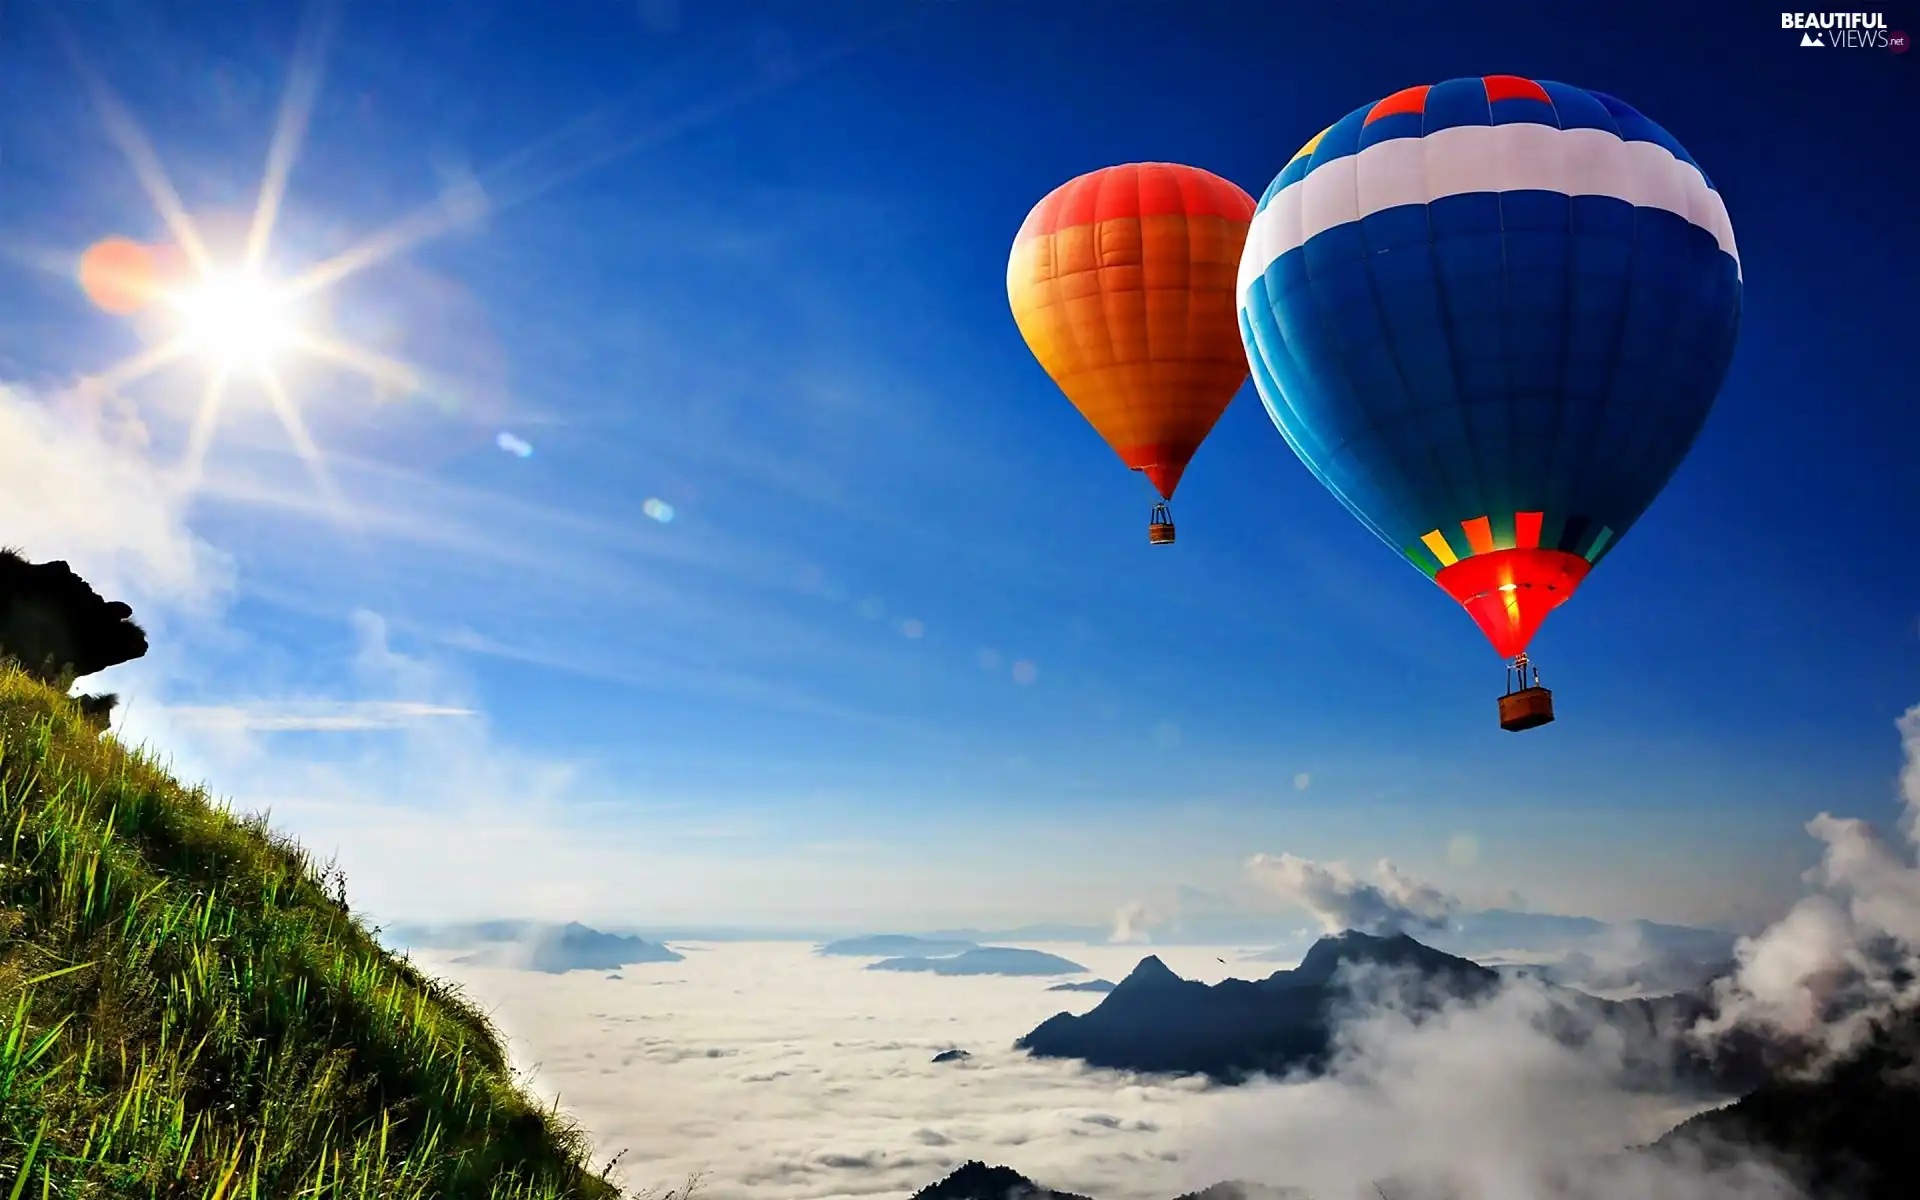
x,y
749,260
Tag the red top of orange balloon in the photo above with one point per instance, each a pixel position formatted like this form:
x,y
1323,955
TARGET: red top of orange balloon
x,y
1121,281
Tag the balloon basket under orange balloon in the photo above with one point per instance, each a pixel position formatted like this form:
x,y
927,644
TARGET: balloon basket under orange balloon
x,y
1160,531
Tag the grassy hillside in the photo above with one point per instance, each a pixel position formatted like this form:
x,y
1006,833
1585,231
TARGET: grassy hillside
x,y
187,1011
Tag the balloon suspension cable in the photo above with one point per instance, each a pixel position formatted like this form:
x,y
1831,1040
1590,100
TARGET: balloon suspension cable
x,y
1518,671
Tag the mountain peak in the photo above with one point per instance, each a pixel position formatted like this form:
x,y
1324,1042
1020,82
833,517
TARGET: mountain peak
x,y
975,1180
1150,972
1326,956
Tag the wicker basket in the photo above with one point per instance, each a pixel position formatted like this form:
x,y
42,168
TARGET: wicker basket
x,y
1160,533
1528,708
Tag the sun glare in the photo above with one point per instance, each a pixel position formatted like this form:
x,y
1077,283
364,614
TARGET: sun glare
x,y
236,319
223,311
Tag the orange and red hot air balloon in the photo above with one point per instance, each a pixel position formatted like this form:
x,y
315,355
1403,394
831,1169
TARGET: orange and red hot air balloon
x,y
1122,284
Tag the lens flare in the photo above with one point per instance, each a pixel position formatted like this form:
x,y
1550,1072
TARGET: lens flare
x,y
121,276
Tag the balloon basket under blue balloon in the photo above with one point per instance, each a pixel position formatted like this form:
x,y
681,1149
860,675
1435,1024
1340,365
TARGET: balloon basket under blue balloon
x,y
1526,705
1528,708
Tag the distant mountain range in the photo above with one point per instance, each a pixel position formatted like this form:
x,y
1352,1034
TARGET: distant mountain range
x,y
1088,985
1471,934
891,945
1661,972
1602,945
985,960
535,946
1155,1022
1624,958
1474,934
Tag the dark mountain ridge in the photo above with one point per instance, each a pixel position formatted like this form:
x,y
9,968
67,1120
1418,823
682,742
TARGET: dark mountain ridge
x,y
1155,1022
1849,1134
975,1180
978,1181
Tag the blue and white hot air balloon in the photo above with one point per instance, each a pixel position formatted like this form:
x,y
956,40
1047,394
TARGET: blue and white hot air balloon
x,y
1491,316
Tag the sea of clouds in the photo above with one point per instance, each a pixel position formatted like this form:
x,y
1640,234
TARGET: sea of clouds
x,y
776,1073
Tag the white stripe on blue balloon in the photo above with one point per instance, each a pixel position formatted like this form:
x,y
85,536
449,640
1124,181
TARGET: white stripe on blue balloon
x,y
1480,158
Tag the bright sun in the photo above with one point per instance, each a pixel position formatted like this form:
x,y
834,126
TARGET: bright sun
x,y
226,312
236,320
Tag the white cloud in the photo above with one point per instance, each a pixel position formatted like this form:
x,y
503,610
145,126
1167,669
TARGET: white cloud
x,y
76,484
1848,954
429,806
316,716
432,812
1132,924
786,1075
414,793
1340,900
1471,1104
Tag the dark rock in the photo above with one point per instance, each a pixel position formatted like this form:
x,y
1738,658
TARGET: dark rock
x,y
98,709
55,625
956,1055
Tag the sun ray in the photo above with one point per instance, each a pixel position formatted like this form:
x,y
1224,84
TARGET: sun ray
x,y
703,113
139,154
204,420
392,372
44,259
439,216
141,365
422,225
296,106
240,321
303,443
